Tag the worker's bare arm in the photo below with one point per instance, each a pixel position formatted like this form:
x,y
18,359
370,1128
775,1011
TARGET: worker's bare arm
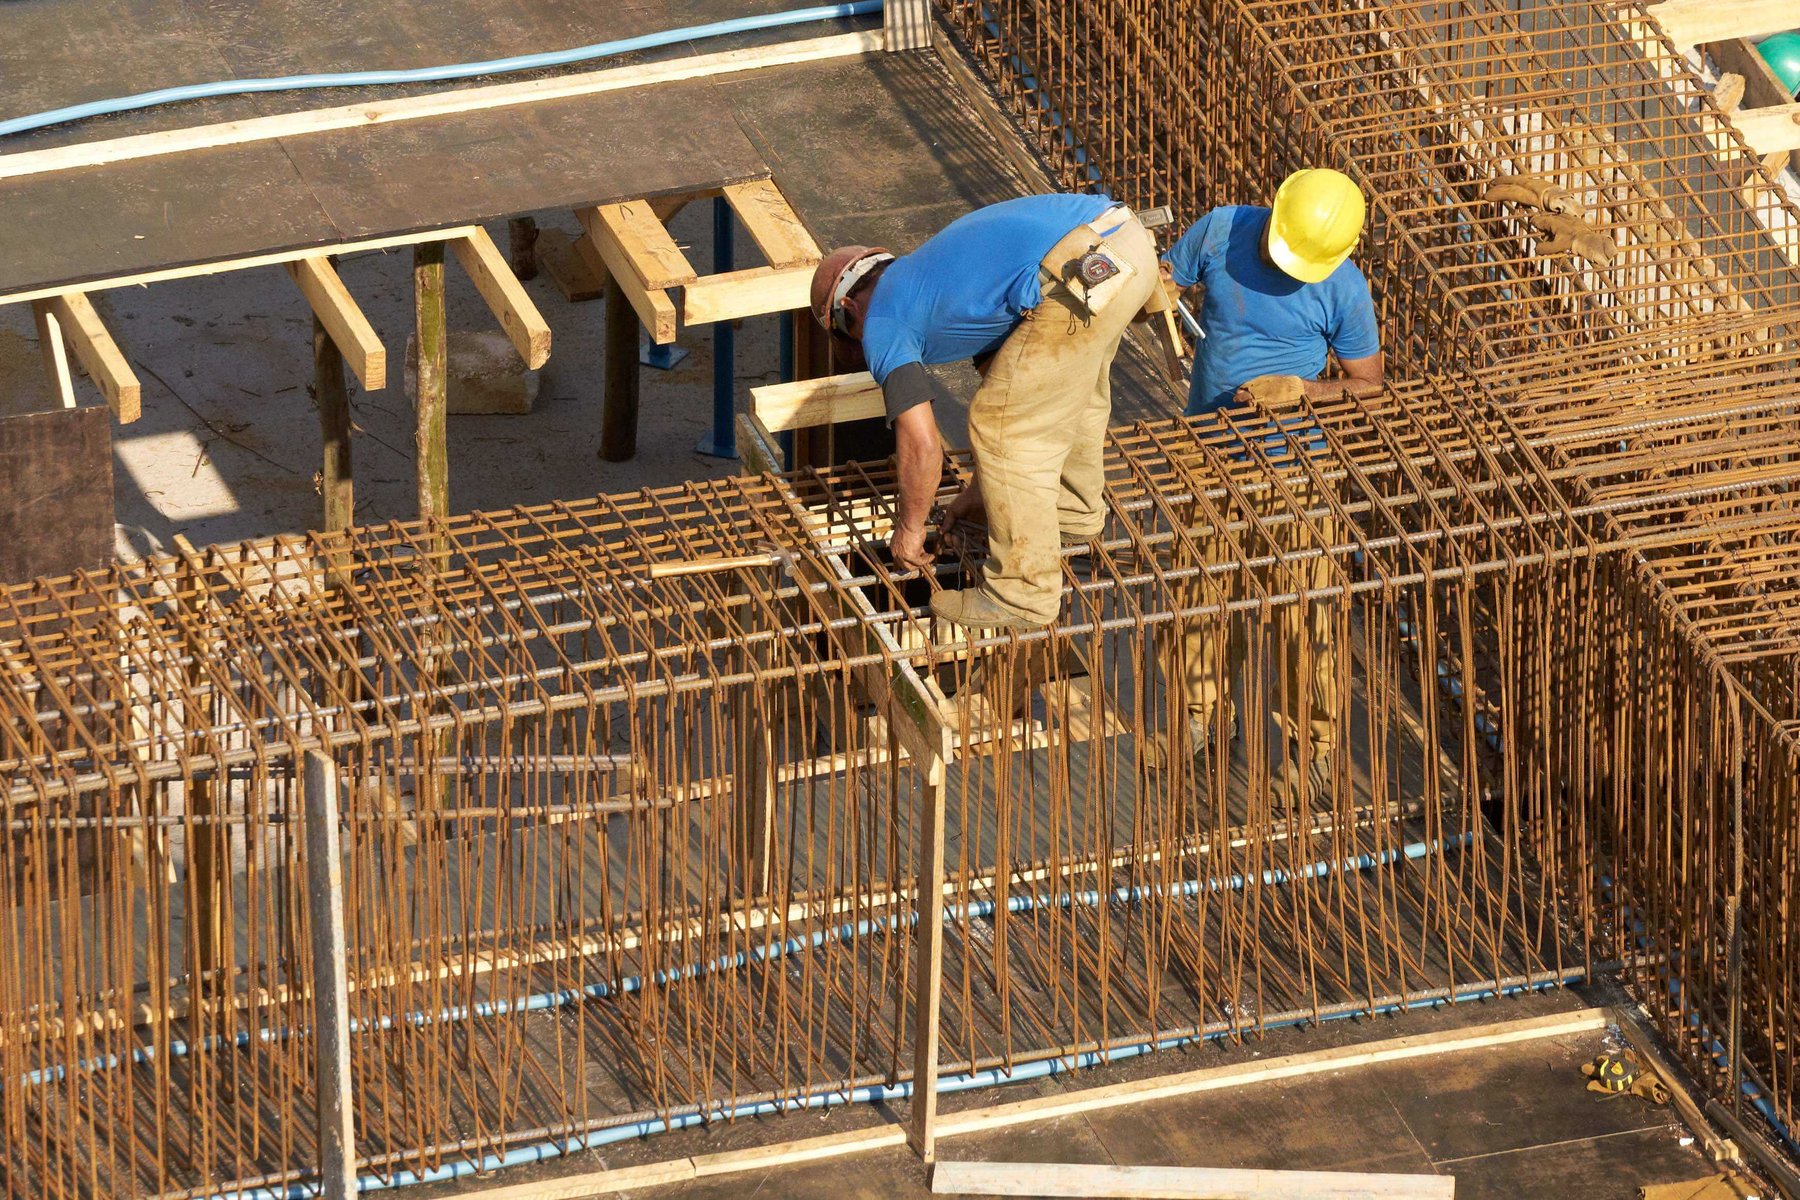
x,y
919,454
1362,377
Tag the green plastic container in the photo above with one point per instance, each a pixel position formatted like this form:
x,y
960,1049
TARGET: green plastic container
x,y
1782,53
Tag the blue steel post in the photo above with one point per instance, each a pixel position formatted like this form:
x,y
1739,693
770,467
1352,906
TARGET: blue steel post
x,y
722,441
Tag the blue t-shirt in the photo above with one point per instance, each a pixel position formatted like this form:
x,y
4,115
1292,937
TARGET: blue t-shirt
x,y
961,293
1259,320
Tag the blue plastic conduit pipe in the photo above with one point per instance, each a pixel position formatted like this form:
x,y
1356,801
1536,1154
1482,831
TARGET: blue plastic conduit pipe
x,y
850,931
872,1094
494,66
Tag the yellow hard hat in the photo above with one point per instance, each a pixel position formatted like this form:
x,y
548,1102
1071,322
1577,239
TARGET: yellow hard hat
x,y
1317,217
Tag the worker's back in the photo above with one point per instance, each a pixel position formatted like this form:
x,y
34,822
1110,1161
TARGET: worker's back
x,y
960,293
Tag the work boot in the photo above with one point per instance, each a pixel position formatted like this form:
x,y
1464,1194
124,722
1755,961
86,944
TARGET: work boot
x,y
972,609
1297,771
1161,756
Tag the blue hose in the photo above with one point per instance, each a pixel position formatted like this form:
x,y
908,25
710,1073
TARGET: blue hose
x,y
848,932
494,66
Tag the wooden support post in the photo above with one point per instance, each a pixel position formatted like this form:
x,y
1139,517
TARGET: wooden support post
x,y
906,24
521,248
619,417
209,842
331,988
432,341
55,352
928,943
332,396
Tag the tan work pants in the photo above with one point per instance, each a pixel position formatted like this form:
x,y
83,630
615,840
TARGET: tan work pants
x,y
1038,426
1303,662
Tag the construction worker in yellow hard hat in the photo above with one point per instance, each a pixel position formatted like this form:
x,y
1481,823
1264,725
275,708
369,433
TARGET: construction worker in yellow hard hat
x,y
1282,299
1038,291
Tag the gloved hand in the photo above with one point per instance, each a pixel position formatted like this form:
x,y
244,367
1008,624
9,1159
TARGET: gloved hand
x,y
1272,392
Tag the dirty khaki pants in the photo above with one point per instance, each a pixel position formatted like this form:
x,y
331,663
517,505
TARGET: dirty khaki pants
x,y
1303,688
1038,425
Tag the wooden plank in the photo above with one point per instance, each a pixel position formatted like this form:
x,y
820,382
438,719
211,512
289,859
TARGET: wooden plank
x,y
928,948
100,356
1739,57
567,268
594,1183
1643,1043
505,296
55,353
1770,130
825,401
272,258
777,230
634,230
1287,1067
461,100
654,308
1180,1183
1690,22
786,1154
336,309
752,292
331,988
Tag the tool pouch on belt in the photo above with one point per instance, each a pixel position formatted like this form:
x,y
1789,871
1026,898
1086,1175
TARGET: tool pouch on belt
x,y
1093,279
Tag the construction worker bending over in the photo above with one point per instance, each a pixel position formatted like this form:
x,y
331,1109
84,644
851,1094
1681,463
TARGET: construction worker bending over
x,y
1038,291
1281,296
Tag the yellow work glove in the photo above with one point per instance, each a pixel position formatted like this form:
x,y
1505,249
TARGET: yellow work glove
x,y
1272,391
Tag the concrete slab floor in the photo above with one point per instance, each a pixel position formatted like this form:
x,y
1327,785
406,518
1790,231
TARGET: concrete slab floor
x,y
228,444
1505,1122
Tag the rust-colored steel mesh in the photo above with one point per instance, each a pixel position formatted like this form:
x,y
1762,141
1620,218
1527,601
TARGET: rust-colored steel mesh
x,y
625,850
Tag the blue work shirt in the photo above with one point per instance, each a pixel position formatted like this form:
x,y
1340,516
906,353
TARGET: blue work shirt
x,y
1258,320
959,295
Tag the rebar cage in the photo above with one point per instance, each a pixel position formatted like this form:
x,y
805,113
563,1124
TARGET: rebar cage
x,y
1678,302
626,850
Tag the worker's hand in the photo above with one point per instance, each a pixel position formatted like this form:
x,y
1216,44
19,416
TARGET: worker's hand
x,y
967,507
908,548
1272,392
1171,290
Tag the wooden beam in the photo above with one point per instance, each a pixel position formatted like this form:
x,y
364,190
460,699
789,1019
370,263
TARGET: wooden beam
x,y
617,1179
162,274
1690,22
752,292
810,402
1180,1183
620,233
777,230
331,990
567,268
461,100
1770,130
928,946
337,311
505,296
100,356
1291,1066
55,352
